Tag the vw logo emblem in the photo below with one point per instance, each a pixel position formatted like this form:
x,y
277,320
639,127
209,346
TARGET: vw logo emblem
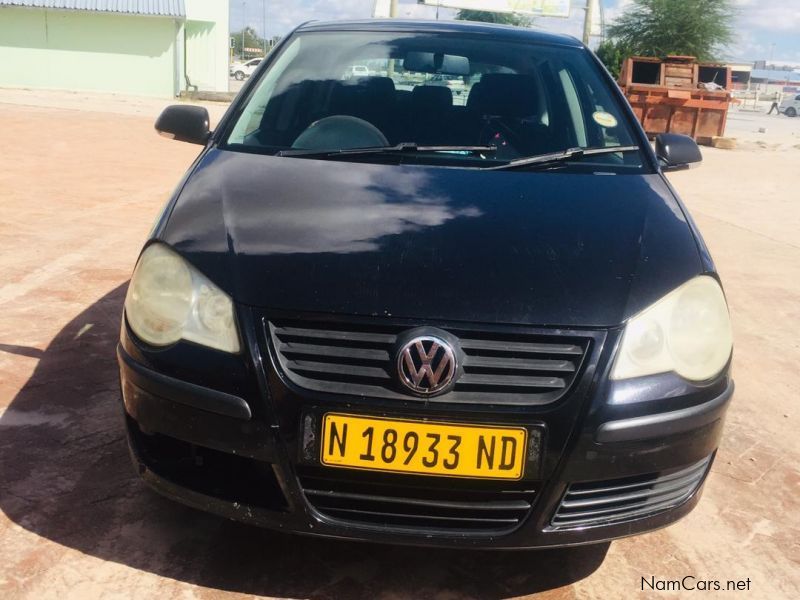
x,y
426,364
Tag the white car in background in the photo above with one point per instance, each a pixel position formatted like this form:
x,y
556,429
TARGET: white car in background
x,y
790,106
356,71
455,83
242,70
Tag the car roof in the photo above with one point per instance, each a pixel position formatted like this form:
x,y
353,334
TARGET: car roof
x,y
504,32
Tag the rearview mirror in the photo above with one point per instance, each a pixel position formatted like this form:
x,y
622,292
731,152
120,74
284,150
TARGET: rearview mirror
x,y
430,62
184,123
677,152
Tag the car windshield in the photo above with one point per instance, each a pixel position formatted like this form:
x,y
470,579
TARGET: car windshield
x,y
331,91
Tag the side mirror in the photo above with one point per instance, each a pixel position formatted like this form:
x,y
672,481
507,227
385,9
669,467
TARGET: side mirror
x,y
677,152
184,123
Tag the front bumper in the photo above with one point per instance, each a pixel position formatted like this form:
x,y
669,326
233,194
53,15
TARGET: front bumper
x,y
207,441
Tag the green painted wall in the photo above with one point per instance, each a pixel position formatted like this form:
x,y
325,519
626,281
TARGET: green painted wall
x,y
200,54
80,50
206,32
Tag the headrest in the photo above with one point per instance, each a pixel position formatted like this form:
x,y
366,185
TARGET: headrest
x,y
474,99
432,97
362,93
504,94
378,86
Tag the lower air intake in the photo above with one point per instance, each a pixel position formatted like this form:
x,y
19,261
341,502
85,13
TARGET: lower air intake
x,y
415,505
606,502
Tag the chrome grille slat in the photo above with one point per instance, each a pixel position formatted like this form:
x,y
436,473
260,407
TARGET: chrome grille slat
x,y
522,364
485,505
528,348
634,486
323,334
512,381
656,488
306,366
295,349
642,503
424,517
358,358
630,514
600,503
477,488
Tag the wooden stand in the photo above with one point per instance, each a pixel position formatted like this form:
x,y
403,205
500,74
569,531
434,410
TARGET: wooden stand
x,y
666,96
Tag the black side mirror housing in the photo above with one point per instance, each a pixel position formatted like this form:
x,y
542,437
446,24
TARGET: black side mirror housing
x,y
677,152
184,123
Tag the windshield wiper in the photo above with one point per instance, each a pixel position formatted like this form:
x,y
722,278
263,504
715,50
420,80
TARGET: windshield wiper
x,y
397,149
543,160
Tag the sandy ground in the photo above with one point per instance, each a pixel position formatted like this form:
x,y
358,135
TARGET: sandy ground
x,y
81,179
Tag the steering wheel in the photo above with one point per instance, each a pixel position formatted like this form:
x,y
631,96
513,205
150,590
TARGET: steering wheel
x,y
340,132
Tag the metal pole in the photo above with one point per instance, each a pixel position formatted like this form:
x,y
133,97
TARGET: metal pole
x,y
244,27
392,15
264,24
587,22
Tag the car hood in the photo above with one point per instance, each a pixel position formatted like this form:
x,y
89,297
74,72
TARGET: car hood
x,y
432,242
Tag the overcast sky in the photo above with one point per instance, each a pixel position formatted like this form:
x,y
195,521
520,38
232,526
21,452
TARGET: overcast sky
x,y
760,23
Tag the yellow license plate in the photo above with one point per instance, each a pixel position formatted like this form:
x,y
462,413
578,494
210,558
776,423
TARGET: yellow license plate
x,y
423,447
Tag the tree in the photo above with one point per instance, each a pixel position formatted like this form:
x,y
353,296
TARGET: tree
x,y
685,27
493,17
251,40
612,53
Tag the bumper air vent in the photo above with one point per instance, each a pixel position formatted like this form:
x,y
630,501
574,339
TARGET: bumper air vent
x,y
605,502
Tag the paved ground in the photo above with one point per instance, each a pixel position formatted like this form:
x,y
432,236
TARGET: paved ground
x,y
755,129
79,188
235,86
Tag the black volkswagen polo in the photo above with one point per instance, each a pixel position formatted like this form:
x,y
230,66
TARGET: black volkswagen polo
x,y
375,309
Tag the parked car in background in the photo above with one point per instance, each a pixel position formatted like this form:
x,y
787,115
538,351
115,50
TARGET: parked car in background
x,y
454,83
356,71
374,313
790,105
243,70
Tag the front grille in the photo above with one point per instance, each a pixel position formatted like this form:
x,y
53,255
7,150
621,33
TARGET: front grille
x,y
418,504
602,503
358,359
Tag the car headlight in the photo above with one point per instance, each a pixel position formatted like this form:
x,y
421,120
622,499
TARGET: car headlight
x,y
169,300
688,331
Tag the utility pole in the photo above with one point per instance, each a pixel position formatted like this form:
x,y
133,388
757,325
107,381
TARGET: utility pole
x,y
244,28
587,22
